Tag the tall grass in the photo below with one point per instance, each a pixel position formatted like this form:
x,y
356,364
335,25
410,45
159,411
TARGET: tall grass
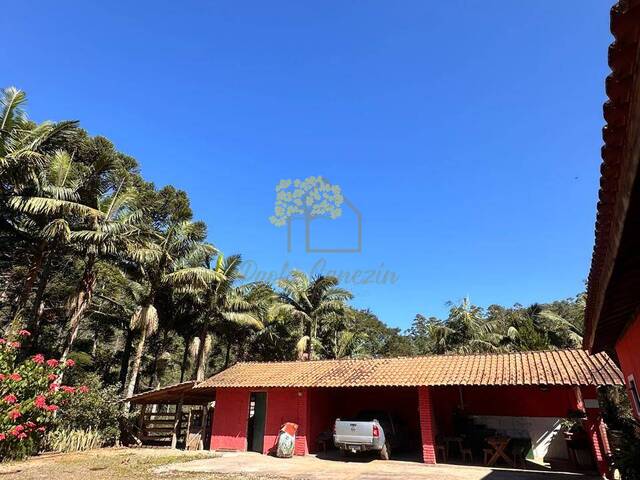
x,y
73,440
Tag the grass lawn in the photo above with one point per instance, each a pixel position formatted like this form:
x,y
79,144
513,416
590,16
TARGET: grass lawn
x,y
109,464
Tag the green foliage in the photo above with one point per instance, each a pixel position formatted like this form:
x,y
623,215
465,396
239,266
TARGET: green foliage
x,y
624,430
616,408
318,304
95,411
469,328
359,333
65,441
627,454
430,335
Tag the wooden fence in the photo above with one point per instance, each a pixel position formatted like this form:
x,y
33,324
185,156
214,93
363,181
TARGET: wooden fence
x,y
180,428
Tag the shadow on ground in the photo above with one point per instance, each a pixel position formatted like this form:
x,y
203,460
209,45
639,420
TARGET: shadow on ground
x,y
331,466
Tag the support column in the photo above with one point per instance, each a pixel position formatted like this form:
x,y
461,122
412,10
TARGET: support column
x,y
186,439
176,425
211,419
596,430
427,425
142,421
203,426
301,446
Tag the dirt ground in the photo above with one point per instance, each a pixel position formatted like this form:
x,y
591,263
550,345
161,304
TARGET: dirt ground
x,y
312,467
109,464
148,464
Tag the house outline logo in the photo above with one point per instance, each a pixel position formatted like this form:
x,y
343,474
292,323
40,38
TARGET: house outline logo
x,y
312,198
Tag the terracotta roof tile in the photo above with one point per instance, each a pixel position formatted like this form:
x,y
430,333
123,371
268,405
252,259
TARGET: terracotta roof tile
x,y
618,172
551,367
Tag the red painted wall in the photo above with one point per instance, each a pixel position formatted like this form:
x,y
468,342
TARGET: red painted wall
x,y
425,410
229,428
628,350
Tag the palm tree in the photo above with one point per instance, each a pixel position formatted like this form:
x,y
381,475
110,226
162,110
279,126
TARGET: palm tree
x,y
224,304
275,341
28,162
347,344
311,302
43,216
560,332
114,231
252,312
167,262
24,147
470,331
145,321
185,313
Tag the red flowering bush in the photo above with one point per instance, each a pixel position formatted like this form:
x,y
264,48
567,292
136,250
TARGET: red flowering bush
x,y
29,397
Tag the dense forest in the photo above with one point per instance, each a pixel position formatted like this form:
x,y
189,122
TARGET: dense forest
x,y
107,269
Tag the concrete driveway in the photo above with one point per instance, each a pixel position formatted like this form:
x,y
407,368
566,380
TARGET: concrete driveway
x,y
314,468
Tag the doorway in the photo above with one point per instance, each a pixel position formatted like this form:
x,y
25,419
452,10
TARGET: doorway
x,y
255,423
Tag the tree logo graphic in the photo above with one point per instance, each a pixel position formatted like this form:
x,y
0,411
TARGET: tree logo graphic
x,y
312,198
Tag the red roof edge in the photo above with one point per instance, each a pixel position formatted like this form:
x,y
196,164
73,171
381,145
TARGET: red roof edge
x,y
617,169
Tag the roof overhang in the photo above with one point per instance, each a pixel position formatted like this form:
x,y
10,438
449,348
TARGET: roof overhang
x,y
613,296
179,393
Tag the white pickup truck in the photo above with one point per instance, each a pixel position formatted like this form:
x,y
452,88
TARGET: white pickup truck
x,y
369,430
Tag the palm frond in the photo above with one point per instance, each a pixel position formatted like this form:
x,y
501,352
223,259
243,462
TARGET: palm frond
x,y
51,206
61,193
194,277
11,112
59,168
145,253
243,318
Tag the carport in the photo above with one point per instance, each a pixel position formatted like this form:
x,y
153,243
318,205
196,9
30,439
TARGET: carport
x,y
327,404
527,393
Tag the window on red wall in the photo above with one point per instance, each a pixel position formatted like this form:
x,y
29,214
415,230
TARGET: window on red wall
x,y
634,393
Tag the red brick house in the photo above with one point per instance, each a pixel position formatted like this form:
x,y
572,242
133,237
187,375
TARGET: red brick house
x,y
531,391
612,318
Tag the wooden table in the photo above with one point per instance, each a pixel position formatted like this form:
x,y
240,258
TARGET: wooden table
x,y
499,444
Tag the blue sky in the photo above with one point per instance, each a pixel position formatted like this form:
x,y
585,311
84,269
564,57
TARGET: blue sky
x,y
467,133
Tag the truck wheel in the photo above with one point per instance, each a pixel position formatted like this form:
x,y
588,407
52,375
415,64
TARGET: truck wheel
x,y
385,453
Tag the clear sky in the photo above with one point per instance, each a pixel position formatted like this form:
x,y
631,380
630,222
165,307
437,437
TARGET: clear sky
x,y
467,133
